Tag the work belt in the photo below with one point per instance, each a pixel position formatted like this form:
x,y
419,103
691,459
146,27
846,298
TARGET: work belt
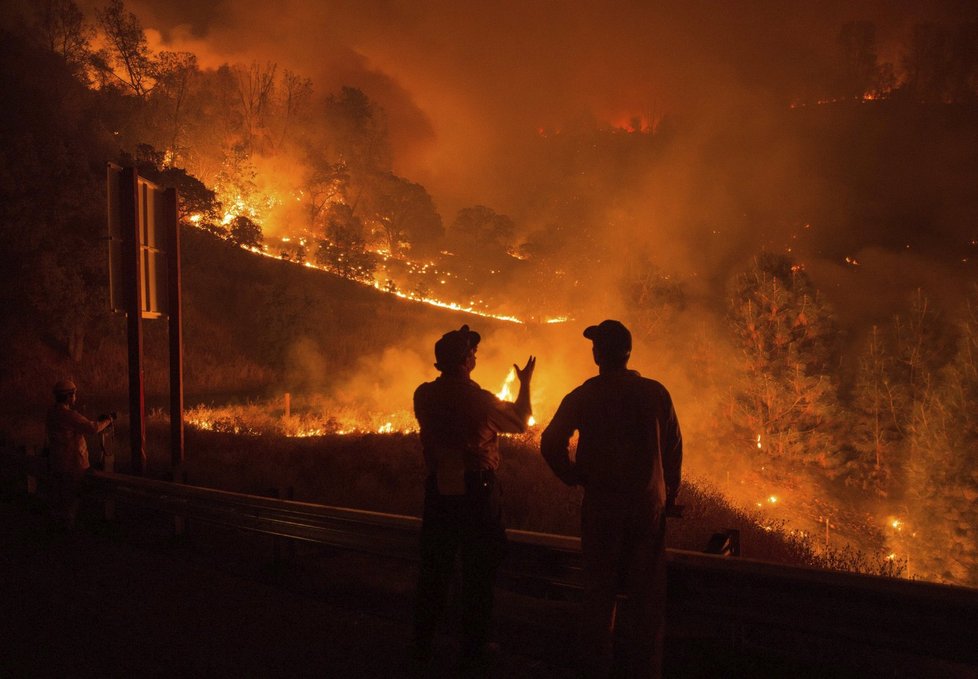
x,y
481,477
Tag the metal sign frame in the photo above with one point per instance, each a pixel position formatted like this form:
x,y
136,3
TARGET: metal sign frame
x,y
144,283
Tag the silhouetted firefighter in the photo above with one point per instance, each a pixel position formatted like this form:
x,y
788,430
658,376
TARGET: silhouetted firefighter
x,y
66,430
459,424
629,460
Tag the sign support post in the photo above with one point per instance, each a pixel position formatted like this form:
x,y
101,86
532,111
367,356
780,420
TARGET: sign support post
x,y
175,319
144,282
133,269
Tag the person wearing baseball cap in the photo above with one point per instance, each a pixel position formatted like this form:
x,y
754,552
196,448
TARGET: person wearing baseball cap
x,y
65,430
459,427
629,461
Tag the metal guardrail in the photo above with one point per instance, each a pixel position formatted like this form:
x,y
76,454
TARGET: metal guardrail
x,y
537,561
785,609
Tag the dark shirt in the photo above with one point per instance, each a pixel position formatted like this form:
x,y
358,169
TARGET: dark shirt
x,y
460,421
629,438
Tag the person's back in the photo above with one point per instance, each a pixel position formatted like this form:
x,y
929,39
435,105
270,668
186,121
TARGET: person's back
x,y
620,417
459,426
629,459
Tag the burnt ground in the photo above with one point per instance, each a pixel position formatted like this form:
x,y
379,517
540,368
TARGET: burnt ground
x,y
127,599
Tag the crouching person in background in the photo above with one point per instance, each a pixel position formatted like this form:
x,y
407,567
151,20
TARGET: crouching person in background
x,y
66,430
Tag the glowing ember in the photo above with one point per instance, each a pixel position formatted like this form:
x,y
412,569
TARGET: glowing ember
x,y
758,441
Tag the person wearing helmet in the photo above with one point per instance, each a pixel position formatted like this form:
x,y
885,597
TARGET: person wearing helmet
x,y
459,423
629,460
66,430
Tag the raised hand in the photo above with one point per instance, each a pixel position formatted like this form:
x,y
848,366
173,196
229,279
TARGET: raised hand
x,y
526,372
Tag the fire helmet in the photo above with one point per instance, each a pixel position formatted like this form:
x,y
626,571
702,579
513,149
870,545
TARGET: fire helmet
x,y
64,387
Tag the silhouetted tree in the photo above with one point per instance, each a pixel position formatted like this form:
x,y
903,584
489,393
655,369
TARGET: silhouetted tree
x,y
52,206
326,185
128,48
255,91
175,76
343,251
860,71
941,489
61,28
481,227
401,213
243,231
296,94
356,135
877,431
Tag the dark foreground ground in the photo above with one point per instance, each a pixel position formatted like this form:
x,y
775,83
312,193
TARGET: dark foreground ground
x,y
128,600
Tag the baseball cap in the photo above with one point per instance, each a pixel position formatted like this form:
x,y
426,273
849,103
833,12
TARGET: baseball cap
x,y
454,346
611,337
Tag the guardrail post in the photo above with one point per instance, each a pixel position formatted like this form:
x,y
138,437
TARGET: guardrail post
x,y
180,521
276,540
290,545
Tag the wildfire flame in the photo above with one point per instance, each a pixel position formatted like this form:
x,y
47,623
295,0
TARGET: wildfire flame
x,y
377,285
259,420
505,392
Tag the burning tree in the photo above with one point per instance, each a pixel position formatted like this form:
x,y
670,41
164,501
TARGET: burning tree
x,y
941,482
877,433
785,406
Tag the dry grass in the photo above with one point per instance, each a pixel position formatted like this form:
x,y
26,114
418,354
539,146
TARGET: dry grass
x,y
385,473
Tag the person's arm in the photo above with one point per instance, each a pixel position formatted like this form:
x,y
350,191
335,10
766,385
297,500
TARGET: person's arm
x,y
523,407
513,418
82,424
555,443
672,452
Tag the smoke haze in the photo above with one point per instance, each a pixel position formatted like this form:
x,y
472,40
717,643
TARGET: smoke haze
x,y
462,82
